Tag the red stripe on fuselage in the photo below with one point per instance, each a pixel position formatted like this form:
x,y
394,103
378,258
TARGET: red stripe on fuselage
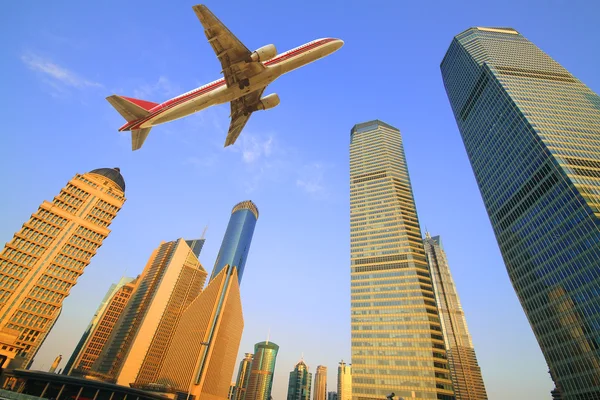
x,y
181,99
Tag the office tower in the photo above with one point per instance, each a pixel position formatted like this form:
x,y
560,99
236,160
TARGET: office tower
x,y
43,261
320,392
95,336
231,394
238,236
260,381
344,381
464,369
530,129
171,280
243,376
300,381
397,342
332,396
201,358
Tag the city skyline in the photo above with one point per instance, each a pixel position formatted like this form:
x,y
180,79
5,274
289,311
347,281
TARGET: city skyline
x,y
432,144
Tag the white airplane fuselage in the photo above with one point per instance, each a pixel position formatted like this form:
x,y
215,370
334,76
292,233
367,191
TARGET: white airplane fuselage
x,y
217,92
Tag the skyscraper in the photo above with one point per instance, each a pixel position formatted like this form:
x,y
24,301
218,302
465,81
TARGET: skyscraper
x,y
95,336
171,280
530,129
202,354
344,381
238,236
242,378
260,381
300,381
43,261
320,388
332,396
465,371
397,342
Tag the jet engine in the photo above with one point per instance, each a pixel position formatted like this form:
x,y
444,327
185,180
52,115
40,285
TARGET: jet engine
x,y
265,53
267,102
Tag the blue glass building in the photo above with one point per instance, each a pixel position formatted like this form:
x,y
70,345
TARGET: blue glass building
x,y
532,134
238,236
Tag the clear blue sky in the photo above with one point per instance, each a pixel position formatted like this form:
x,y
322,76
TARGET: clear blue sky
x,y
61,59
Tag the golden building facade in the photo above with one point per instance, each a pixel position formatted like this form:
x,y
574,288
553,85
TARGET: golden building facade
x,y
320,386
465,372
171,280
96,335
43,261
260,381
397,342
201,358
344,381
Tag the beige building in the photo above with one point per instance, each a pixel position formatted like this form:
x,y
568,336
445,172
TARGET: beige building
x,y
344,381
464,368
43,261
320,386
201,358
171,280
96,335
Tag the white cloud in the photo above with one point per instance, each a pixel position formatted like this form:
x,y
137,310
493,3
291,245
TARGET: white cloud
x,y
54,73
163,88
312,180
255,148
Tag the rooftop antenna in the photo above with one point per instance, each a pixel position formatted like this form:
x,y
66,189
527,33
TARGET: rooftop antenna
x,y
268,335
204,231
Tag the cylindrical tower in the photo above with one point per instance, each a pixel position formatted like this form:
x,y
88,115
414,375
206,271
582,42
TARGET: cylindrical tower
x,y
261,374
238,236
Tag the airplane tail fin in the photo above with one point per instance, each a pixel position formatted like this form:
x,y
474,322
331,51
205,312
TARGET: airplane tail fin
x,y
132,110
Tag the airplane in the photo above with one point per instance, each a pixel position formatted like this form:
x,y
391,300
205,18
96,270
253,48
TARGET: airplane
x,y
246,75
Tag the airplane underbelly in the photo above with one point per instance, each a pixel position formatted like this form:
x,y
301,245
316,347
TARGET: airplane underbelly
x,y
191,106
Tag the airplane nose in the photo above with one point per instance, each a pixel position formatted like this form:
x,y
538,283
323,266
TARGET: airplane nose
x,y
337,44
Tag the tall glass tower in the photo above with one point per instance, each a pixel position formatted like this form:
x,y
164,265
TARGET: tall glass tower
x,y
397,342
238,236
531,131
300,382
260,381
466,374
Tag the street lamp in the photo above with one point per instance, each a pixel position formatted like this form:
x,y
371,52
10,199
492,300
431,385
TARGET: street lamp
x,y
194,371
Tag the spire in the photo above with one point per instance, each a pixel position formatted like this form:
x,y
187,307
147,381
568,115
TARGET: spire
x,y
204,231
268,335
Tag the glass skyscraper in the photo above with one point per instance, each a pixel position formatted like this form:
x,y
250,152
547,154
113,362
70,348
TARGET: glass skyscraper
x,y
397,342
238,236
532,134
300,382
260,381
464,368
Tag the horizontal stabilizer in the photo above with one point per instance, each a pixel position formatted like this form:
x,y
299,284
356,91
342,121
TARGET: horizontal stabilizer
x,y
131,109
138,136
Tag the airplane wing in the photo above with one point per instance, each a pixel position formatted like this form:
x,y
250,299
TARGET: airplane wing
x,y
232,53
240,114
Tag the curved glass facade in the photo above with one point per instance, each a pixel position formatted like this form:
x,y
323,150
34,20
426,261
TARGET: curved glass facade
x,y
238,236
261,373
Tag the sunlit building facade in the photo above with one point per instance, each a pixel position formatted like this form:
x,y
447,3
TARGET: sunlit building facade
x,y
260,381
43,261
171,280
531,132
397,342
201,357
344,381
242,378
320,386
464,368
96,334
300,382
